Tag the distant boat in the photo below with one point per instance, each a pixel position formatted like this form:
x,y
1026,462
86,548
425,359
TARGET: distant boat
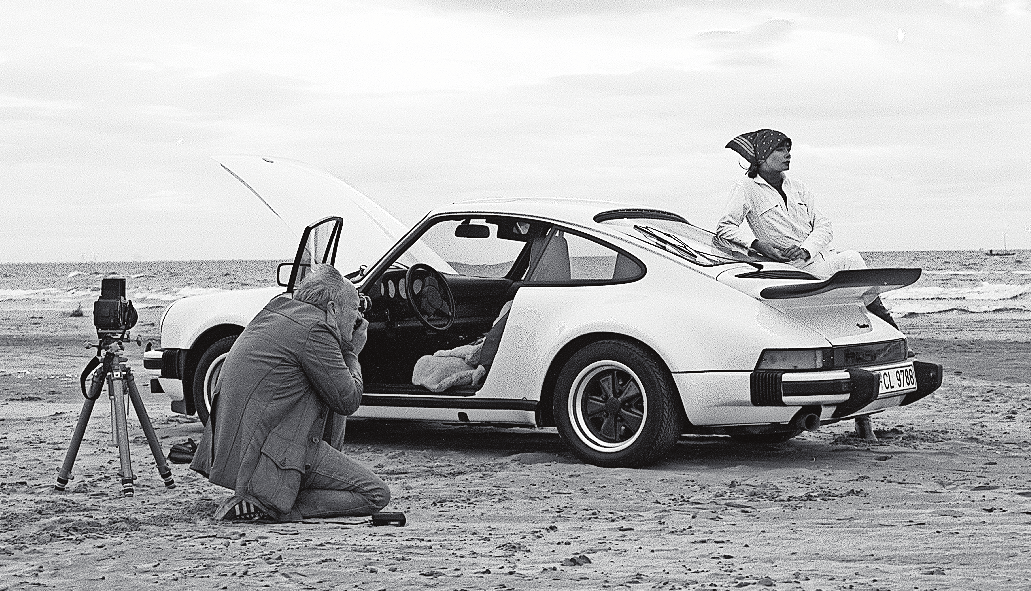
x,y
1003,252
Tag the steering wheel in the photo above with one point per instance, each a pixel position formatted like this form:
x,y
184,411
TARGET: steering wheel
x,y
430,297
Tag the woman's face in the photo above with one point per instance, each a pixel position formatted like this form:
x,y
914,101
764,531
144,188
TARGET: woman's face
x,y
778,161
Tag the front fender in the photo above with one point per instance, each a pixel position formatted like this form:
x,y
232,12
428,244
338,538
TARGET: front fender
x,y
188,318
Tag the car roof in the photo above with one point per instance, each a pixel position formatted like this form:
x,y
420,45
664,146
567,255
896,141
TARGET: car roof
x,y
575,211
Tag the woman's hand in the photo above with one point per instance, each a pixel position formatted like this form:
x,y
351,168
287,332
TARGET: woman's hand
x,y
795,252
768,250
783,255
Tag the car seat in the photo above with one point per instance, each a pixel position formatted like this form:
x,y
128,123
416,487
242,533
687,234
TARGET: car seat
x,y
553,264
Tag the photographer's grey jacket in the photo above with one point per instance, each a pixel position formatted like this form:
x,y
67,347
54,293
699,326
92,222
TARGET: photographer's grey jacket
x,y
283,376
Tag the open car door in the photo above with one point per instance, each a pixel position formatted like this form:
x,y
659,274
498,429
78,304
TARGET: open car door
x,y
318,247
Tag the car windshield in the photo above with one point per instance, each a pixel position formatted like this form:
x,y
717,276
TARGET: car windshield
x,y
676,235
486,247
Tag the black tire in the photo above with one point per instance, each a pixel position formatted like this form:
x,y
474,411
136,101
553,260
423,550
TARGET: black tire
x,y
207,372
765,438
633,428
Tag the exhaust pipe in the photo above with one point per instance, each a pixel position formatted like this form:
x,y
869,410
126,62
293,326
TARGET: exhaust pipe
x,y
806,420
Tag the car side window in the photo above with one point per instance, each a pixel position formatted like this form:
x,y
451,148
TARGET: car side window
x,y
564,257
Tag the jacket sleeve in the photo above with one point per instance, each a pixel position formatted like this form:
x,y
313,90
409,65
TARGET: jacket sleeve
x,y
729,226
822,234
335,383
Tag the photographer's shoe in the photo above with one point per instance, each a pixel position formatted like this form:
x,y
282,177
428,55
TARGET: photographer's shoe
x,y
237,509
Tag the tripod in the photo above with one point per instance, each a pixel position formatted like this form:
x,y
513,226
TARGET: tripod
x,y
118,376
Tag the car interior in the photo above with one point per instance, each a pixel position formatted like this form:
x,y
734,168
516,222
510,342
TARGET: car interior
x,y
535,252
397,337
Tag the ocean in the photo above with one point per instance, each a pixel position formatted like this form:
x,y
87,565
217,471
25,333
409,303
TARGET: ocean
x,y
960,293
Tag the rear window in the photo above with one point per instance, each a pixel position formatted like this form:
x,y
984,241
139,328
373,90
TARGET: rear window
x,y
676,235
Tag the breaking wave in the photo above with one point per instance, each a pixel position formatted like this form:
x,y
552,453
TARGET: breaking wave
x,y
983,291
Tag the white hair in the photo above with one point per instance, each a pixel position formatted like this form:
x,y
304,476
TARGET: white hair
x,y
323,284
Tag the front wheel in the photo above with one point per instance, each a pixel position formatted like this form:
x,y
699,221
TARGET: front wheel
x,y
615,405
204,377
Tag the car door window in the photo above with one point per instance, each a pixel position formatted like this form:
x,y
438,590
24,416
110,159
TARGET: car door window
x,y
318,246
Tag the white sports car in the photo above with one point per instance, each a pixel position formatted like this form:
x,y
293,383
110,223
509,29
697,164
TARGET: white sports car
x,y
623,327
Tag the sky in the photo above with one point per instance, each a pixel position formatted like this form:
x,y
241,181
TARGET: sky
x,y
910,121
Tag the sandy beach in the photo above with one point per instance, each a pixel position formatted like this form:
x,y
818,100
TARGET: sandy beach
x,y
940,501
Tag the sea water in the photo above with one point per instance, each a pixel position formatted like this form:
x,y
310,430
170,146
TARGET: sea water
x,y
959,292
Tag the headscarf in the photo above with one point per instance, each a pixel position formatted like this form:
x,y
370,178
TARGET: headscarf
x,y
756,146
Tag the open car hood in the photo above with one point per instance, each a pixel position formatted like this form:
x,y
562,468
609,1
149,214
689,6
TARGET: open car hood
x,y
299,194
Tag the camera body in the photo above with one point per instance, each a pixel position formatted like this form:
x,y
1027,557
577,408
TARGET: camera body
x,y
364,304
112,313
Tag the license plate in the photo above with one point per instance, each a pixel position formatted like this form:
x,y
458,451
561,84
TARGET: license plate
x,y
897,380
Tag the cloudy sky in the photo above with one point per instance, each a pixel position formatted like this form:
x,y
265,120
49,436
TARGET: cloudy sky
x,y
911,121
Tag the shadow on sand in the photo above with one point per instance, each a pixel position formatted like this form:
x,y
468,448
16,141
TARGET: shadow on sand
x,y
691,453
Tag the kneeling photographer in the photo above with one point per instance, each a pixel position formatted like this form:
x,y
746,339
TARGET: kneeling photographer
x,y
292,368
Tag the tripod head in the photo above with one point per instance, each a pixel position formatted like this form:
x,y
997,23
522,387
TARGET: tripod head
x,y
108,355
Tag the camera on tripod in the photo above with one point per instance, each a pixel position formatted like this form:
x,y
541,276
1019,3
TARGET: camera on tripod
x,y
113,316
112,313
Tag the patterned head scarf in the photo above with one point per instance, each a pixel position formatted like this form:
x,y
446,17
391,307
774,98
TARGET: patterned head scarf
x,y
756,146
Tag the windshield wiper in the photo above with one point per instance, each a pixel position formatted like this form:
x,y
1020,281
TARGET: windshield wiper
x,y
673,243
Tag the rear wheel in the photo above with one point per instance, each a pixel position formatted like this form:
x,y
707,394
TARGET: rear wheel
x,y
615,405
204,378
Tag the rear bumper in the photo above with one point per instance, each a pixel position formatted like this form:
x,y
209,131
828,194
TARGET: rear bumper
x,y
849,391
928,379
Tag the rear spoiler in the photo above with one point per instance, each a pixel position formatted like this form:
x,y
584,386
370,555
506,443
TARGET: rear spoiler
x,y
879,279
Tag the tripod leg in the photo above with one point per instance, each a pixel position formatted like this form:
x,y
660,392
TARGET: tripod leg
x,y
148,428
121,431
65,473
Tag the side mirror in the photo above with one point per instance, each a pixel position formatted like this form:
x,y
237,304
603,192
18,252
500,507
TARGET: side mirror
x,y
283,273
472,231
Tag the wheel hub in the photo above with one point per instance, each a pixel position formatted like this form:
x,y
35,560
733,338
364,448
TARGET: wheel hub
x,y
610,405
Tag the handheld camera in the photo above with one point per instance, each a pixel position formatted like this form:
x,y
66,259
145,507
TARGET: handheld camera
x,y
364,304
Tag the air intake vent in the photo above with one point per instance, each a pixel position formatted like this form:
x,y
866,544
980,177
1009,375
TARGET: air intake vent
x,y
639,213
766,388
